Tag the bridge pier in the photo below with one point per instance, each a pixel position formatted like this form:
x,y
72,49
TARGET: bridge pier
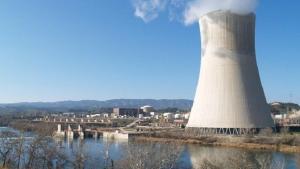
x,y
70,133
80,132
95,135
59,132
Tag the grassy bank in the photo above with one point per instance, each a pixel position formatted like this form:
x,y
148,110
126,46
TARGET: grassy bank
x,y
276,142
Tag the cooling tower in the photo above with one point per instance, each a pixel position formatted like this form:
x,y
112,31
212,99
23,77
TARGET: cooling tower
x,y
229,96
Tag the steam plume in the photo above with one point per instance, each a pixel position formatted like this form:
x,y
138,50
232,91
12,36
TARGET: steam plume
x,y
195,9
191,10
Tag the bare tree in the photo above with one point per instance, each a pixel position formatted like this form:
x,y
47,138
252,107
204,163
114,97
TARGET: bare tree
x,y
206,164
6,147
243,160
42,152
19,150
80,156
151,155
108,161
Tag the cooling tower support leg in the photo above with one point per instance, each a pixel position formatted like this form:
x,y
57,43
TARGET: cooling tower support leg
x,y
222,131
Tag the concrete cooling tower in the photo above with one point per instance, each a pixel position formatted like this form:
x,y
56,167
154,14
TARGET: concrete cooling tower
x,y
229,97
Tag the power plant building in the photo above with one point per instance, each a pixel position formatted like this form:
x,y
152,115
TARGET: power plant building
x,y
128,112
229,97
147,109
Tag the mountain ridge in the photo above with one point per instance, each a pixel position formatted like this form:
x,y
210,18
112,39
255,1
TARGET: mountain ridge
x,y
184,104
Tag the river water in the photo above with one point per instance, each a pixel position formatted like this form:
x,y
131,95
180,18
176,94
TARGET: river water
x,y
190,156
95,151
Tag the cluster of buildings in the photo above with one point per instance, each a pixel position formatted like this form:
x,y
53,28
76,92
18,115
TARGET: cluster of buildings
x,y
141,112
284,115
144,113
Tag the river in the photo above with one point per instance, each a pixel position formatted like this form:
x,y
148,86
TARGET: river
x,y
95,151
191,156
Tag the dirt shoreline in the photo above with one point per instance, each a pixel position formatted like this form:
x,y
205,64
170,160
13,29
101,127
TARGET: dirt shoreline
x,y
250,146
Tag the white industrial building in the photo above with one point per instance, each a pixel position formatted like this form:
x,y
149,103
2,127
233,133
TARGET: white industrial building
x,y
229,97
168,115
186,115
141,116
178,116
147,109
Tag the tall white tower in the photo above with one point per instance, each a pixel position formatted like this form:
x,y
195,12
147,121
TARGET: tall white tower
x,y
229,97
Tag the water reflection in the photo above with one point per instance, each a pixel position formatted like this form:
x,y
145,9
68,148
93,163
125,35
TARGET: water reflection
x,y
91,153
192,156
229,158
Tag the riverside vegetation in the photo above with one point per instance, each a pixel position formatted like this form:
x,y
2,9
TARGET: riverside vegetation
x,y
43,152
266,140
149,151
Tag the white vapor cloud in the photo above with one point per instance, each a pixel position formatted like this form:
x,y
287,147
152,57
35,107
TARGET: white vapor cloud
x,y
196,8
189,10
148,10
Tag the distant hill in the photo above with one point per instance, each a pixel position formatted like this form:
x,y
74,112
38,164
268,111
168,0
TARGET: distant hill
x,y
85,105
89,105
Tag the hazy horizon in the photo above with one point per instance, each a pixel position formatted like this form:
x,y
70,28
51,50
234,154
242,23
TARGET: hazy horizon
x,y
54,101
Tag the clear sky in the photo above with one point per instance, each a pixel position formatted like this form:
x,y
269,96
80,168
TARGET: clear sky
x,y
53,50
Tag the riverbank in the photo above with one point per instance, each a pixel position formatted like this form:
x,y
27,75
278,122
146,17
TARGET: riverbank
x,y
280,143
287,142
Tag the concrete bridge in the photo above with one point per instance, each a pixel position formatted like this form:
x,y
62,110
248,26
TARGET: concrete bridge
x,y
78,132
68,120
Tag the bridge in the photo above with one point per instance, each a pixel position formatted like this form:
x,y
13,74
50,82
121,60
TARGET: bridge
x,y
86,128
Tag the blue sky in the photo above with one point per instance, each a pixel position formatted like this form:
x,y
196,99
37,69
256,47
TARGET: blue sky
x,y
54,50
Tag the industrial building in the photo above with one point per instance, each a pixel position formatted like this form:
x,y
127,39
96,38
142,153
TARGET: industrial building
x,y
128,112
229,97
147,109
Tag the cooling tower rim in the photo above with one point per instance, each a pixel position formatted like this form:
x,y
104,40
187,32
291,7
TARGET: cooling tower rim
x,y
226,12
